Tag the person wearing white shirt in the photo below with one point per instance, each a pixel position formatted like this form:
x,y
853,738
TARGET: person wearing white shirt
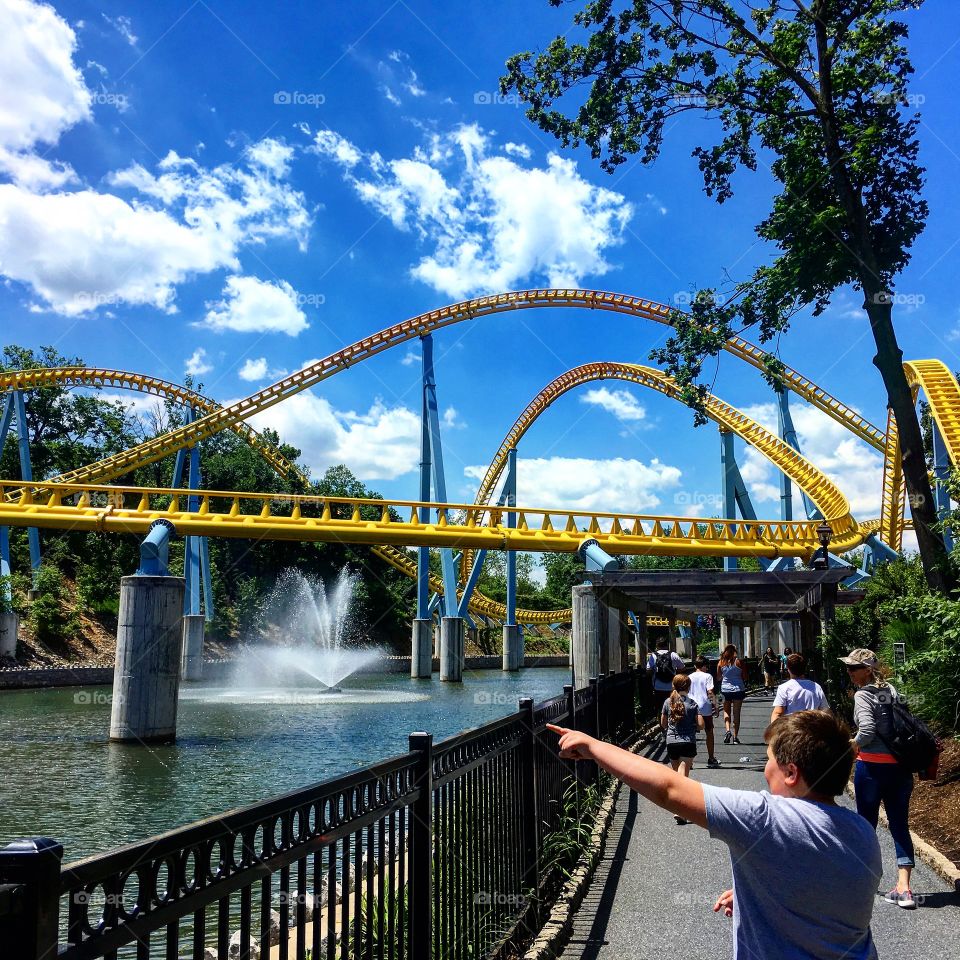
x,y
662,665
701,690
798,693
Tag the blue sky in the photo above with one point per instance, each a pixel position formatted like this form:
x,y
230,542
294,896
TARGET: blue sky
x,y
235,189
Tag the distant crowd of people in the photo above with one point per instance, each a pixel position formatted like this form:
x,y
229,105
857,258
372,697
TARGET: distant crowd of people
x,y
822,906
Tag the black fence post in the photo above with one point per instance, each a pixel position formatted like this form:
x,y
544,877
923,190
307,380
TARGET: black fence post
x,y
597,729
421,850
531,815
572,724
30,898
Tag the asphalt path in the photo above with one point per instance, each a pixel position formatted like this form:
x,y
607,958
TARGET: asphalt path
x,y
653,892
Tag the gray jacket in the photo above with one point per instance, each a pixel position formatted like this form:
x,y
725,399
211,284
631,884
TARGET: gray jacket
x,y
870,717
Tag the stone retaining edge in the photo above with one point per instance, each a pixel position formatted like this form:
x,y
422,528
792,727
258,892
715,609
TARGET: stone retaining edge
x,y
927,851
556,930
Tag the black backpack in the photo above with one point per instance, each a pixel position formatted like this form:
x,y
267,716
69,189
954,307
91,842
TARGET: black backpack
x,y
664,668
911,743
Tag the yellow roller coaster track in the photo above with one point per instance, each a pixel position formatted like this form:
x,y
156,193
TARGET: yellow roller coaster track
x,y
211,423
940,387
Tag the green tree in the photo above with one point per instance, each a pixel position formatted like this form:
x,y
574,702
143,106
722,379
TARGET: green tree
x,y
820,84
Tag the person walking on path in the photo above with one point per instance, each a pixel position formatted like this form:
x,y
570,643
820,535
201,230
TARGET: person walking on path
x,y
679,721
733,685
701,690
771,669
799,692
820,907
878,777
783,661
662,665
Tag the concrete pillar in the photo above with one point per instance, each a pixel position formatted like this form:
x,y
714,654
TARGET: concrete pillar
x,y
146,678
421,650
191,664
585,635
512,647
9,624
451,649
614,657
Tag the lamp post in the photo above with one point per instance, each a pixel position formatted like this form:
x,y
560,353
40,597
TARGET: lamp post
x,y
821,559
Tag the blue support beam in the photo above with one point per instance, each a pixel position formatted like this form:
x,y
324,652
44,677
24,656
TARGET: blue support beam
x,y
509,495
728,466
155,550
5,420
26,473
941,471
5,562
789,436
431,466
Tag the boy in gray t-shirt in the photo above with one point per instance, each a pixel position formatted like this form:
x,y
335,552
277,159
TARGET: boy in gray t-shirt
x,y
818,910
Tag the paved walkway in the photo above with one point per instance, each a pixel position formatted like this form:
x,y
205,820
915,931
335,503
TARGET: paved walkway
x,y
653,892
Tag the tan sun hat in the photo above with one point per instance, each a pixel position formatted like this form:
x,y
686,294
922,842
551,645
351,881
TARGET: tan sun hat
x,y
861,657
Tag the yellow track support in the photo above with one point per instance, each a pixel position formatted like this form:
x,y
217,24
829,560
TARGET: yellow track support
x,y
940,387
189,434
256,516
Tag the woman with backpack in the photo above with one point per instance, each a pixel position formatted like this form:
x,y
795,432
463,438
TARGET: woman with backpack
x,y
679,720
732,676
878,777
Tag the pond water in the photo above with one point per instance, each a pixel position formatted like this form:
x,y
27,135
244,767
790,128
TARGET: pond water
x,y
62,778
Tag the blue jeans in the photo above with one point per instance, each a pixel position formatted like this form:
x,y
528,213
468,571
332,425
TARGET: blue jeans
x,y
891,785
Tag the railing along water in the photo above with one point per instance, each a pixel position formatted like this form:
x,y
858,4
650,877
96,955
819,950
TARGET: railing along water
x,y
438,853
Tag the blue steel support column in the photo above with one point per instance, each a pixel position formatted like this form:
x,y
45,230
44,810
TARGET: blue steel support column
x,y
423,553
26,473
789,436
510,496
728,468
941,470
191,549
439,480
786,484
5,420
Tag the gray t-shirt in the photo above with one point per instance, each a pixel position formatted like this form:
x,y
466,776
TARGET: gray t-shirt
x,y
686,730
872,717
805,875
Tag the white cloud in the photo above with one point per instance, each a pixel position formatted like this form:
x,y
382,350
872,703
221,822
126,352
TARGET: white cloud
x,y
381,444
250,305
657,204
621,403
123,26
451,419
491,223
42,92
617,485
196,364
81,250
856,468
518,150
253,369
409,358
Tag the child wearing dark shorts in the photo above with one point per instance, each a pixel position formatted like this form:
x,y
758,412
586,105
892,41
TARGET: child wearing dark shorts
x,y
679,720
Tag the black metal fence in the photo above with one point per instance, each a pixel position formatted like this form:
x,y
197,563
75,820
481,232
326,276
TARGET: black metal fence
x,y
437,853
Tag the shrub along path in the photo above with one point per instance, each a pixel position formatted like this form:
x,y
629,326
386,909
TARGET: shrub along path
x,y
653,893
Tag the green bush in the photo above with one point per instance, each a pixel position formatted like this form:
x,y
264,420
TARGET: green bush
x,y
51,619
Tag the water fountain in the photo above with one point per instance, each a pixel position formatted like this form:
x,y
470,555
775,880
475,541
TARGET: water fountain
x,y
313,643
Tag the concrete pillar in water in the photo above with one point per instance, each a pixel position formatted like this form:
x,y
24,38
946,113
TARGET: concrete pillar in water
x,y
191,664
421,651
585,635
451,649
146,678
512,647
9,624
617,640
